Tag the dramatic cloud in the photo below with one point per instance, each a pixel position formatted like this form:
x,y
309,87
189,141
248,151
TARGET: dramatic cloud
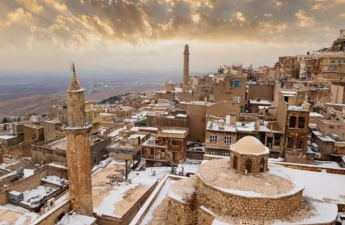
x,y
64,26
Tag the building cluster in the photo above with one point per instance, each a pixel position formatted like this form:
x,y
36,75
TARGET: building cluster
x,y
240,146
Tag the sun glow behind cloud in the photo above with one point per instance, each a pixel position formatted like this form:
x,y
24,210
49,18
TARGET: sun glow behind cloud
x,y
133,34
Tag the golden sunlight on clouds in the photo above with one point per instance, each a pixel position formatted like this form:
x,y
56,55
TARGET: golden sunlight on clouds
x,y
65,26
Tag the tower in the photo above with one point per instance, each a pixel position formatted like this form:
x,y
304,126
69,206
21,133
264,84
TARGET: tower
x,y
78,149
185,68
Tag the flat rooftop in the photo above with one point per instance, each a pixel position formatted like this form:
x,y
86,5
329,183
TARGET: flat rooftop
x,y
10,214
115,198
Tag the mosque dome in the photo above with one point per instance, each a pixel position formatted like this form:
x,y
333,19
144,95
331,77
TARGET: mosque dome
x,y
169,86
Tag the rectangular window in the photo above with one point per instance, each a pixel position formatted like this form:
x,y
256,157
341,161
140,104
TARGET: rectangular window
x,y
213,139
289,142
175,142
332,61
236,98
299,143
213,153
152,151
292,122
237,83
301,122
226,154
227,140
331,127
277,139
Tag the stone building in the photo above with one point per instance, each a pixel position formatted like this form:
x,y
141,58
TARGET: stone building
x,y
262,194
220,133
169,147
78,150
293,118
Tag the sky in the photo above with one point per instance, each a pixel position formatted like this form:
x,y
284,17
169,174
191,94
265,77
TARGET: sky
x,y
149,35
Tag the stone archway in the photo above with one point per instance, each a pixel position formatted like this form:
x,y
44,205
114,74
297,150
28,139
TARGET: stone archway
x,y
249,165
234,166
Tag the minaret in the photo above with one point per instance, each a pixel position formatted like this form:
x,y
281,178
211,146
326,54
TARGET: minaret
x,y
78,149
185,68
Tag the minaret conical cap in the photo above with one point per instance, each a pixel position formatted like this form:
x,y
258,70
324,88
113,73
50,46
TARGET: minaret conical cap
x,y
74,85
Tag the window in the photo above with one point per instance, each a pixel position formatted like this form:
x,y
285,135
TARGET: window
x,y
277,139
213,139
236,98
331,127
213,153
235,163
227,140
332,61
211,97
152,151
237,83
292,123
289,142
226,154
299,143
249,165
175,142
301,122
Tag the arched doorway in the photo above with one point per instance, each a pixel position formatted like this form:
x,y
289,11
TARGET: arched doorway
x,y
234,166
262,165
249,165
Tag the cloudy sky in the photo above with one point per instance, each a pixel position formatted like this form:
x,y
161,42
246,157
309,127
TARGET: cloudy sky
x,y
149,35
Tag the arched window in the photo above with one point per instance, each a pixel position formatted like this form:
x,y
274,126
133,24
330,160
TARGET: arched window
x,y
262,165
235,163
249,165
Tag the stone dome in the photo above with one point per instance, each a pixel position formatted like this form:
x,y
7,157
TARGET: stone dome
x,y
249,155
169,86
249,145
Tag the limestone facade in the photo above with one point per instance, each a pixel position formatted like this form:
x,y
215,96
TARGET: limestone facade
x,y
251,163
185,68
78,150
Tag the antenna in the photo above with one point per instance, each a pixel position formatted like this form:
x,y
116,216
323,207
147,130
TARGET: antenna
x,y
72,65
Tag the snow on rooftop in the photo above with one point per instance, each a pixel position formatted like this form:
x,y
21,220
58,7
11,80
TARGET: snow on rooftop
x,y
315,114
11,214
245,127
76,219
33,197
216,126
173,131
115,200
181,115
55,180
160,197
277,182
259,102
115,133
296,108
6,137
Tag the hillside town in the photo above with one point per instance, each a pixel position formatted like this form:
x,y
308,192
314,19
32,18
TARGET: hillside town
x,y
243,145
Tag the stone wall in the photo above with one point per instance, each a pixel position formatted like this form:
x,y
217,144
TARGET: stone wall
x,y
54,216
256,162
204,217
30,182
20,150
265,208
314,168
181,213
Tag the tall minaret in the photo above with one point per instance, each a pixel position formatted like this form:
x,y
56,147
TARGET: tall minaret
x,y
78,149
185,68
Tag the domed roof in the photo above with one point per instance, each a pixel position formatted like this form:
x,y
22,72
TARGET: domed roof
x,y
169,86
249,145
